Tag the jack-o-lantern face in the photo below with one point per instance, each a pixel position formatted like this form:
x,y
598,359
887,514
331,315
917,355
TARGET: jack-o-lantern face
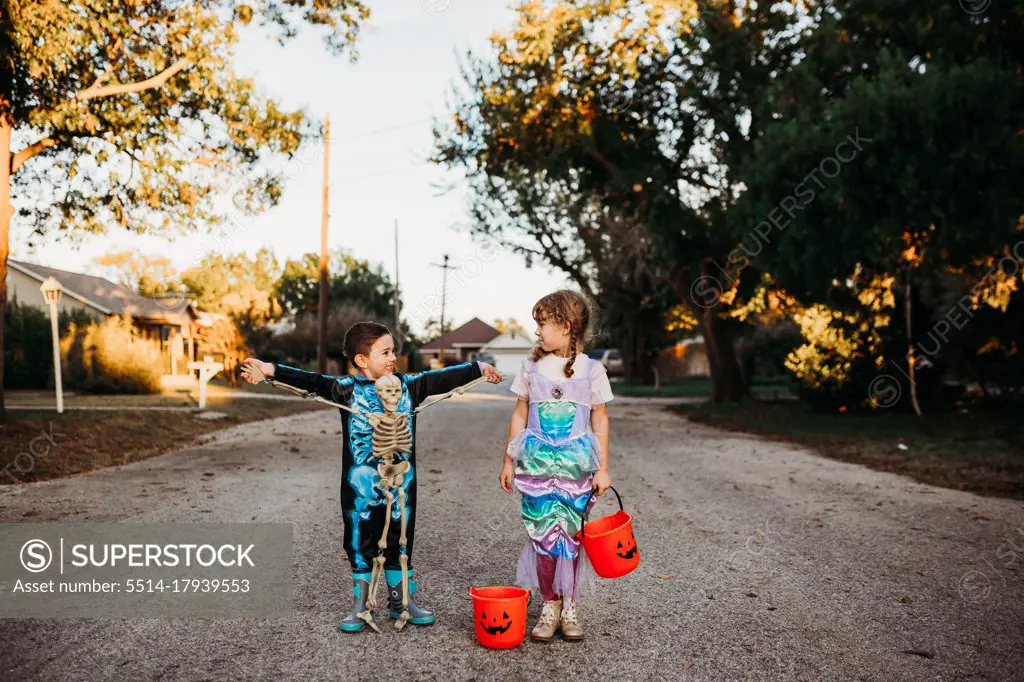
x,y
627,550
496,625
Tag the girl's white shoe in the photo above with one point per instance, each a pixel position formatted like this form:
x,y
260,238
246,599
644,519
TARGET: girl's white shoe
x,y
544,630
572,629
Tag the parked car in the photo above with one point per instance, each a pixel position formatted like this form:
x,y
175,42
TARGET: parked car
x,y
611,358
486,357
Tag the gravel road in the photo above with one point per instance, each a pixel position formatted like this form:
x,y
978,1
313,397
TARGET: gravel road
x,y
759,561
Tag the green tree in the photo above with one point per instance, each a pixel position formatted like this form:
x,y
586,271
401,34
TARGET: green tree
x,y
300,344
350,281
894,149
637,112
145,275
432,328
936,96
29,350
510,324
129,113
238,285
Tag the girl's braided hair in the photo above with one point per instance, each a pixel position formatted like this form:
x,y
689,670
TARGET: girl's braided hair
x,y
561,307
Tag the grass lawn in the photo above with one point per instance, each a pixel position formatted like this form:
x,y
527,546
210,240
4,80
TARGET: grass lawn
x,y
980,451
177,397
40,444
698,387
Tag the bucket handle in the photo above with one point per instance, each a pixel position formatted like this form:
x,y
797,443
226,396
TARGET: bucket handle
x,y
586,510
529,595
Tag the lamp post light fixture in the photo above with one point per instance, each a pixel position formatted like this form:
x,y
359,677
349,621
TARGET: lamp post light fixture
x,y
52,294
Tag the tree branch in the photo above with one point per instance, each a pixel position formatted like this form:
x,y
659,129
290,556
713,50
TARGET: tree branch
x,y
27,153
123,88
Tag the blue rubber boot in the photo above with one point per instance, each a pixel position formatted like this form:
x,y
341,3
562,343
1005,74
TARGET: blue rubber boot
x,y
353,623
418,616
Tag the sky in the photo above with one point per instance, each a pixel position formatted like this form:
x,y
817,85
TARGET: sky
x,y
381,107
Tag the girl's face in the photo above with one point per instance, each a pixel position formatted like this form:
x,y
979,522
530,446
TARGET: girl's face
x,y
553,337
381,359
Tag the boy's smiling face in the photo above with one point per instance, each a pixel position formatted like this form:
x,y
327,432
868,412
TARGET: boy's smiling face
x,y
380,361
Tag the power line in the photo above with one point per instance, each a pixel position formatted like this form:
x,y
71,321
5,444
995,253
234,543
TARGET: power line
x,y
380,131
354,179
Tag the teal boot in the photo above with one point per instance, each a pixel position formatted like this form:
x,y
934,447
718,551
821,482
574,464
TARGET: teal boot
x,y
418,616
353,623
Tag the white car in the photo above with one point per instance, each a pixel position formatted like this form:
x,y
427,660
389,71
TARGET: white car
x,y
611,358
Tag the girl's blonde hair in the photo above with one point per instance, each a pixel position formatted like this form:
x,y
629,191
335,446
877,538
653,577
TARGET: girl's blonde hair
x,y
561,307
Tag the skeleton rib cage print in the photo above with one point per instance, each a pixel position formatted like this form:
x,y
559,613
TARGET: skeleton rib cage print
x,y
378,494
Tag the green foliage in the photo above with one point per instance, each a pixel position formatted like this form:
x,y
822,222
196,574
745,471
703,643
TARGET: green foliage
x,y
351,282
299,346
28,345
652,138
433,329
28,352
106,357
766,347
986,347
145,275
893,149
238,285
602,137
138,113
939,155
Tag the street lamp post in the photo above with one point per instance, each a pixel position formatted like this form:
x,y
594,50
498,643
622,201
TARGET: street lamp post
x,y
52,293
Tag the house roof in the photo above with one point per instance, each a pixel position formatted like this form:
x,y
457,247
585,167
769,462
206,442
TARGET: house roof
x,y
510,340
107,297
474,332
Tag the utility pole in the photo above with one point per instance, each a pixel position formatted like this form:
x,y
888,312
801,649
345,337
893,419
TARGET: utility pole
x,y
395,321
321,334
444,295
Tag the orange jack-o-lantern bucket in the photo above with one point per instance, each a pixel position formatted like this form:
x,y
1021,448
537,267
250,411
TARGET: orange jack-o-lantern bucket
x,y
609,541
500,615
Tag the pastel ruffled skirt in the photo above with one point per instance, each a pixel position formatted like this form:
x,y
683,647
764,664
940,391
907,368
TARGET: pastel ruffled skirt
x,y
554,473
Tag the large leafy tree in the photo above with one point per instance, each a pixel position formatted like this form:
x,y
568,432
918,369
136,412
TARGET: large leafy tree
x,y
352,281
936,97
143,274
239,285
930,196
636,111
128,114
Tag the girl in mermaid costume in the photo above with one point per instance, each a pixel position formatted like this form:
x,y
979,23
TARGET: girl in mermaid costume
x,y
555,459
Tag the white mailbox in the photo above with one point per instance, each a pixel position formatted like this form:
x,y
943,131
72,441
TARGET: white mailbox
x,y
207,370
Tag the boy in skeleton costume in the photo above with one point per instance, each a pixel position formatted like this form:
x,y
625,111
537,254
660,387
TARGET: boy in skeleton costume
x,y
378,477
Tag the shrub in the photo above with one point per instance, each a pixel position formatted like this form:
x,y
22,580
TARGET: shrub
x,y
28,348
106,357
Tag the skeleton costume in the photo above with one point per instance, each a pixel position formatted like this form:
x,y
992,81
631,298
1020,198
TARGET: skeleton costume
x,y
556,456
378,475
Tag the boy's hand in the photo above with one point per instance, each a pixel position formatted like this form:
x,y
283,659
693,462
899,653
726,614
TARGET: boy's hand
x,y
493,375
507,477
602,481
267,369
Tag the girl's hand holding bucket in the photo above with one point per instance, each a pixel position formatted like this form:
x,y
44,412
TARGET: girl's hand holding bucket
x,y
602,481
609,541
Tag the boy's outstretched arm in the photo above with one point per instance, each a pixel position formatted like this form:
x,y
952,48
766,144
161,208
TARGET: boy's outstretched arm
x,y
436,381
322,384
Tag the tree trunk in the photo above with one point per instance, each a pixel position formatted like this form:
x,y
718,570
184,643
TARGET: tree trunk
x,y
6,212
911,360
727,383
632,364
